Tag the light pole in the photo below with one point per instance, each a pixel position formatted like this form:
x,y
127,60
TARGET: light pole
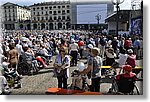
x,y
117,3
98,17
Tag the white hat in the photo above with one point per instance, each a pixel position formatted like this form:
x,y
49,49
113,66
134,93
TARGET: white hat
x,y
25,45
72,40
90,46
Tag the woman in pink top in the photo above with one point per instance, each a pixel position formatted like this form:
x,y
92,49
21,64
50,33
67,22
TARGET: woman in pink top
x,y
131,60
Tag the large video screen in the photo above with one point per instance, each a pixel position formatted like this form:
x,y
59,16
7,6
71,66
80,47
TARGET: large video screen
x,y
136,26
86,13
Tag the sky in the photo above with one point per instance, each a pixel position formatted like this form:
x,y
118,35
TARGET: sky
x,y
124,5
89,11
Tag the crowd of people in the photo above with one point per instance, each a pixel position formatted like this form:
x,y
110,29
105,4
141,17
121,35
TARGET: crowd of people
x,y
69,47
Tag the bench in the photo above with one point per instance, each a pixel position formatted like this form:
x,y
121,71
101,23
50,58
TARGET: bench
x,y
136,70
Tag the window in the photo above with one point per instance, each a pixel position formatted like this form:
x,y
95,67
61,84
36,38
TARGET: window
x,y
50,8
59,11
68,17
63,17
38,13
54,6
37,7
59,7
38,18
34,18
33,13
54,12
50,12
63,6
63,12
46,18
33,9
46,7
42,13
59,17
55,18
41,8
50,18
68,6
68,11
46,13
42,18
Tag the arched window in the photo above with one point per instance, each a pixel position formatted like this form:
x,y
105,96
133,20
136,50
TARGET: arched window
x,y
42,26
59,25
34,26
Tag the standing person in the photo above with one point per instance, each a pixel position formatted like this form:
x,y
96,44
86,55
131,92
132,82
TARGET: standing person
x,y
122,59
122,41
74,52
81,47
102,46
131,60
61,65
115,43
94,65
13,56
128,44
137,46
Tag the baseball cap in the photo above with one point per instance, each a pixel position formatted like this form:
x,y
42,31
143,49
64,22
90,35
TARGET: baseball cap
x,y
127,68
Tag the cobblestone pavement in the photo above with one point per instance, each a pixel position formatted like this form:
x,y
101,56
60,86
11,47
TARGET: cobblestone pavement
x,y
39,83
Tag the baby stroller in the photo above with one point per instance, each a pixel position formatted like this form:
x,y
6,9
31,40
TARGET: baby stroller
x,y
79,82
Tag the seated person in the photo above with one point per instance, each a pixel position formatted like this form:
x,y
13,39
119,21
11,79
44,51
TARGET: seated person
x,y
110,56
126,80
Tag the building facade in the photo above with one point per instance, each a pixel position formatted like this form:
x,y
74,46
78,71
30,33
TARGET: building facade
x,y
15,16
51,15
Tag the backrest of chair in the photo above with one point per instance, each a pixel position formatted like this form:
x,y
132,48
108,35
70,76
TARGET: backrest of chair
x,y
126,84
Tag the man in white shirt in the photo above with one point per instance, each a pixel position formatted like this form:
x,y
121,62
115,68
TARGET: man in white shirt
x,y
74,52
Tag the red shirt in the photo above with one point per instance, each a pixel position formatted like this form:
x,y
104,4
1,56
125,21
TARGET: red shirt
x,y
81,43
125,75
